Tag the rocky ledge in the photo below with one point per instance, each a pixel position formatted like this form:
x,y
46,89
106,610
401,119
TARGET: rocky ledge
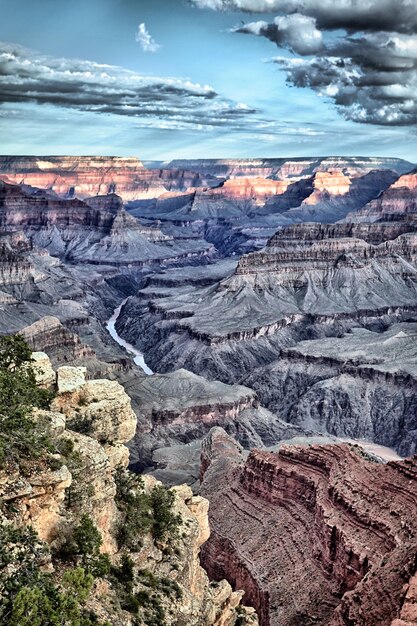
x,y
314,534
89,422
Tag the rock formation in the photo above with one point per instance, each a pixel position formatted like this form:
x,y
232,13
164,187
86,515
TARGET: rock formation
x,y
93,176
399,201
283,168
97,231
305,275
52,500
314,534
177,410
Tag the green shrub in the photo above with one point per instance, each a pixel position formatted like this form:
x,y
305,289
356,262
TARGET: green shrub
x,y
87,539
165,522
28,596
83,547
137,508
125,572
143,512
22,441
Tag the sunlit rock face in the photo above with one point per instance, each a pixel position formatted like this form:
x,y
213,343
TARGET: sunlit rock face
x,y
282,168
253,198
314,534
92,176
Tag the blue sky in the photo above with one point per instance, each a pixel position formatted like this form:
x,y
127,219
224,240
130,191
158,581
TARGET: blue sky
x,y
230,99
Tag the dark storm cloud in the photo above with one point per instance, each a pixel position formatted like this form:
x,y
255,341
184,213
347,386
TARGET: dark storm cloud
x,y
370,72
373,79
354,15
87,86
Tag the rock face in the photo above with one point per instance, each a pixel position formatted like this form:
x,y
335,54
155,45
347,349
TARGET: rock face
x,y
61,344
283,168
242,212
399,201
95,176
315,535
309,274
96,231
180,408
53,501
312,281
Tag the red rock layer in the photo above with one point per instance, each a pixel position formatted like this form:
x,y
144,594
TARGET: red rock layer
x,y
315,535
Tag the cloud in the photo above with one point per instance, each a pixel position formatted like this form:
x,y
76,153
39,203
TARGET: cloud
x,y
371,79
145,40
354,15
26,77
365,52
296,32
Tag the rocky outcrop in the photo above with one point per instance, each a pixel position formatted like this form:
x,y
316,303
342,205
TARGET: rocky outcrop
x,y
283,168
178,409
90,421
98,231
309,278
360,385
314,534
62,345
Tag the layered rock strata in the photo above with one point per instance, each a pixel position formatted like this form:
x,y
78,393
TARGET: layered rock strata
x,y
98,231
399,201
309,276
179,409
94,176
283,168
315,535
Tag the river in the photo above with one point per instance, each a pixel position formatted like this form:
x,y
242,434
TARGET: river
x,y
138,357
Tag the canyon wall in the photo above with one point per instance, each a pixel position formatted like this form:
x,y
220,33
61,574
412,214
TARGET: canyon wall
x,y
326,536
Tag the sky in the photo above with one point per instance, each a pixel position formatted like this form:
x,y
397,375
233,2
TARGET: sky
x,y
164,79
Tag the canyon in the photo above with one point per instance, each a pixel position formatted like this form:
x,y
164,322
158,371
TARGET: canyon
x,y
258,313
326,535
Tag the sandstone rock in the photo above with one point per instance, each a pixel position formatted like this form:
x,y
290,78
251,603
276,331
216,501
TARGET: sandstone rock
x,y
38,499
70,379
96,482
45,375
60,344
108,407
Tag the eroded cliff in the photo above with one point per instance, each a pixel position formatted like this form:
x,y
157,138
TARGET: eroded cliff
x,y
314,534
82,485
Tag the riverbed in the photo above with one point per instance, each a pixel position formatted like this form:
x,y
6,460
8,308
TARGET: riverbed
x,y
138,357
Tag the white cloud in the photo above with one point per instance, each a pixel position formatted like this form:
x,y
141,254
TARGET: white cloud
x,y
158,102
145,40
296,32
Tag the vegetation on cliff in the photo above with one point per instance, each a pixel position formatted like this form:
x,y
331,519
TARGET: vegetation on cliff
x,y
21,438
40,586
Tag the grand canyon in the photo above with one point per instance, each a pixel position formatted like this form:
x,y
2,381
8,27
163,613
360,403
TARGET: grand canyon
x,y
208,313
261,315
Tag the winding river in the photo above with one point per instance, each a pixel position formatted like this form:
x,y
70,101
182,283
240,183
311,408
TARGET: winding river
x,y
385,453
138,357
